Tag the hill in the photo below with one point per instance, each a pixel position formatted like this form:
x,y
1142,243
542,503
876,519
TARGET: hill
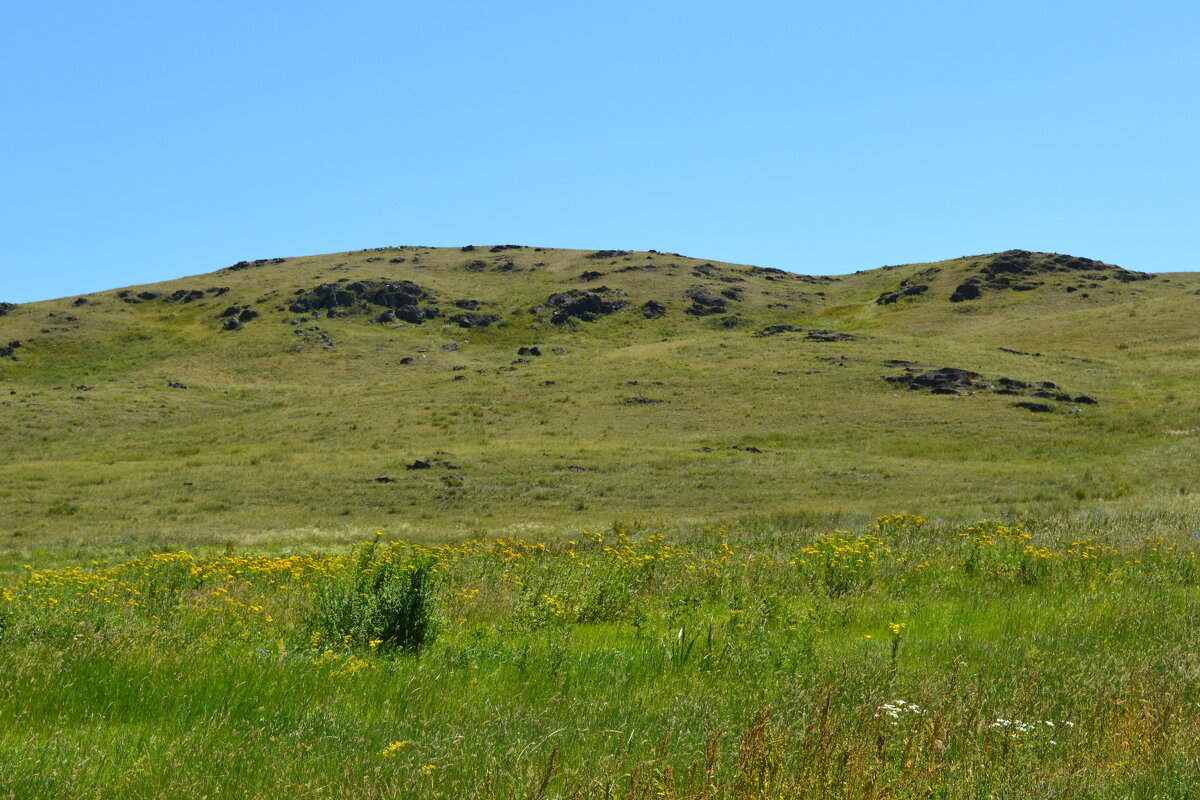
x,y
444,391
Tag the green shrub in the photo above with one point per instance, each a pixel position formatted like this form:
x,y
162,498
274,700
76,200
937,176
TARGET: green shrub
x,y
387,605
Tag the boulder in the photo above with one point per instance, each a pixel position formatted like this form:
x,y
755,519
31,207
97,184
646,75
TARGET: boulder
x,y
704,302
585,305
966,291
652,309
829,336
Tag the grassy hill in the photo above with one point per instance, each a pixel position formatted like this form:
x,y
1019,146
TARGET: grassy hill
x,y
546,390
182,613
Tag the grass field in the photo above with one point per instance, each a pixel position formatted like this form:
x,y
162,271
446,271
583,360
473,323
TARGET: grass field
x,y
649,529
904,660
681,418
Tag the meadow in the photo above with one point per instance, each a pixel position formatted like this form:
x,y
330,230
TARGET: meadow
x,y
906,659
515,522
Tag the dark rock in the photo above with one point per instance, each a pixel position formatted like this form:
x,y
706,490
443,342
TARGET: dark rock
x,y
247,315
591,275
602,254
775,330
966,291
406,360
451,347
468,249
652,309
904,291
229,312
333,297
419,464
947,380
80,301
475,266
466,305
6,308
149,295
411,314
704,302
385,479
387,316
1086,400
185,296
473,320
176,385
528,351
1037,408
830,336
256,263
635,401
232,324
585,305
1009,383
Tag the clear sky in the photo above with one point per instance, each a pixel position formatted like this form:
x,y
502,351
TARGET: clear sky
x,y
145,141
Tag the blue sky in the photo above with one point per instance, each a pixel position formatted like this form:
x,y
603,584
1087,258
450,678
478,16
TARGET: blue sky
x,y
146,141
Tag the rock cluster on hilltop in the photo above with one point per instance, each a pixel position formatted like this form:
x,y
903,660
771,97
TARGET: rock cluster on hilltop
x,y
261,262
1021,271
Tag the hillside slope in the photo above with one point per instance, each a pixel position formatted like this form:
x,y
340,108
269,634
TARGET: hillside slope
x,y
448,391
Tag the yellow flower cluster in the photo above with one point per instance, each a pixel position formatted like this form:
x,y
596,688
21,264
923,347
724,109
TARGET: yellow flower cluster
x,y
594,577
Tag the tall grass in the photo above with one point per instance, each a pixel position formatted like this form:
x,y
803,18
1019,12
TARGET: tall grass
x,y
976,661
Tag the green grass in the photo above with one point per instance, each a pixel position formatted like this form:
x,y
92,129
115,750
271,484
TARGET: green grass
x,y
749,656
623,664
267,445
